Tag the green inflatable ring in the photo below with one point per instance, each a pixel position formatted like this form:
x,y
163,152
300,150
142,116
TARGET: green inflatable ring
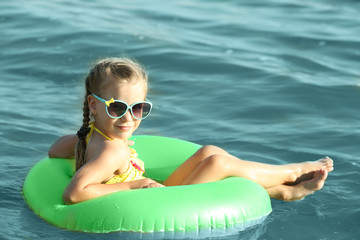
x,y
219,205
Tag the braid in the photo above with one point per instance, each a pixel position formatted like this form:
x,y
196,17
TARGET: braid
x,y
82,133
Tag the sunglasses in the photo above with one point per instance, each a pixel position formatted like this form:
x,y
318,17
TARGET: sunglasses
x,y
117,108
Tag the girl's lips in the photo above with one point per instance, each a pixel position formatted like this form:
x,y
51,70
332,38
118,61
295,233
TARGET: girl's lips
x,y
125,128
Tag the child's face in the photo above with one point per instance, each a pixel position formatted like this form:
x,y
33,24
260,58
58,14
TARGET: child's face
x,y
120,128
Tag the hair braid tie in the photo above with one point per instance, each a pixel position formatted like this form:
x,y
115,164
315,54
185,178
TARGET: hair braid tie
x,y
83,132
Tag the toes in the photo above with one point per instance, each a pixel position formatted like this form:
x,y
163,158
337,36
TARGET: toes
x,y
324,174
323,160
328,163
320,174
326,160
319,178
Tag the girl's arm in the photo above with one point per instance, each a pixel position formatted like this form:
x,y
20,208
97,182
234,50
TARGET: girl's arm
x,y
97,189
64,147
89,180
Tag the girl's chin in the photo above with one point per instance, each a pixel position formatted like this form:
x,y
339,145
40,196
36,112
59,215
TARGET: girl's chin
x,y
124,135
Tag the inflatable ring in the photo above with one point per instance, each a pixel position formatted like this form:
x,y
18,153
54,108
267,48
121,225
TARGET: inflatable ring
x,y
219,205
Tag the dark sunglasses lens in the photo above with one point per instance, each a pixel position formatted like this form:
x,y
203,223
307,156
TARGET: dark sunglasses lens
x,y
141,110
117,109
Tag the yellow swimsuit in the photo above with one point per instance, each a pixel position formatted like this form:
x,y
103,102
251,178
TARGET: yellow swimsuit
x,y
134,172
135,169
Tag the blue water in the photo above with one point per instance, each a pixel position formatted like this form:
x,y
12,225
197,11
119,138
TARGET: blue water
x,y
272,81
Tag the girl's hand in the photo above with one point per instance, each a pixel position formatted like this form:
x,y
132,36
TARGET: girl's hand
x,y
130,143
145,183
64,147
153,185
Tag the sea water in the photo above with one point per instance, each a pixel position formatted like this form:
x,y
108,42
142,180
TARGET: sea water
x,y
271,81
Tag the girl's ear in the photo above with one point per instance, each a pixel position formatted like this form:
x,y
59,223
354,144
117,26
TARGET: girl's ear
x,y
92,104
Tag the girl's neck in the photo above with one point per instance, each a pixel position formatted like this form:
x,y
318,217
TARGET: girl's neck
x,y
93,127
100,132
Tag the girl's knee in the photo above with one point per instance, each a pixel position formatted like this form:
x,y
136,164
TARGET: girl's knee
x,y
215,161
209,150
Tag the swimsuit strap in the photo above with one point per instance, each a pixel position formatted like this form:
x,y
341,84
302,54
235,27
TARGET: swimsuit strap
x,y
92,127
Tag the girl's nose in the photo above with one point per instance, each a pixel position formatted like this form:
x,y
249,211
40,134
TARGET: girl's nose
x,y
127,117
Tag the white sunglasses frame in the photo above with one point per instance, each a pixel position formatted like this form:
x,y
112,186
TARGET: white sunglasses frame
x,y
107,104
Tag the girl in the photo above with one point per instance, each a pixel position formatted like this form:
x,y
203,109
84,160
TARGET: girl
x,y
114,105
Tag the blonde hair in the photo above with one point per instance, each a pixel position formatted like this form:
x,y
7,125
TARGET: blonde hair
x,y
122,70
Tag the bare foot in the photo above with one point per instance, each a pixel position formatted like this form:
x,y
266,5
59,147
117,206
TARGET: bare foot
x,y
328,164
305,188
305,170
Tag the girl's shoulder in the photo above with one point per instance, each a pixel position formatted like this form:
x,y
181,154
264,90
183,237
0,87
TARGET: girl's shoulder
x,y
116,148
111,153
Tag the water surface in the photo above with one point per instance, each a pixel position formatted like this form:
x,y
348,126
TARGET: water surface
x,y
271,81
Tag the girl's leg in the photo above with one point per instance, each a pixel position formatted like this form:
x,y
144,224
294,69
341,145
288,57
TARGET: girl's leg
x,y
211,164
217,167
185,169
